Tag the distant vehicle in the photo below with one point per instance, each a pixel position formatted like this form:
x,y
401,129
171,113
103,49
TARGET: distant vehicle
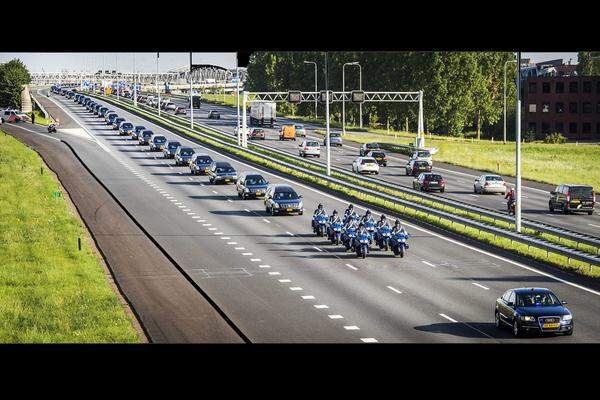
x,y
367,147
102,111
110,118
536,310
422,155
97,108
196,101
251,184
263,113
10,116
137,130
156,142
126,128
221,171
256,133
170,107
287,132
310,148
300,130
142,99
429,182
572,198
145,136
170,148
283,199
183,155
380,157
164,103
335,139
365,165
416,167
200,164
489,183
180,110
212,114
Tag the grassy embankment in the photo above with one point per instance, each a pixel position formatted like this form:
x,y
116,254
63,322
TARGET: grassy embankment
x,y
50,292
39,118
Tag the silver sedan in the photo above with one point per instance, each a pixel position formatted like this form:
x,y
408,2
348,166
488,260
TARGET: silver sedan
x,y
489,184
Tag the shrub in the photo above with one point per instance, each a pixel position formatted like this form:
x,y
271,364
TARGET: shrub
x,y
555,138
529,136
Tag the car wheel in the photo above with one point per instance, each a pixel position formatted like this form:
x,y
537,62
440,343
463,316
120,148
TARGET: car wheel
x,y
550,207
565,210
497,322
569,333
442,190
590,212
272,211
474,189
516,330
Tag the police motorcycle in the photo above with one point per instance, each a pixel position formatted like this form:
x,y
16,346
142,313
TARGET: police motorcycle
x,y
320,225
361,245
398,242
335,232
384,236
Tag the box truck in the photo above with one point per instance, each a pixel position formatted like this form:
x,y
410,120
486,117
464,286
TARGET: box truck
x,y
262,113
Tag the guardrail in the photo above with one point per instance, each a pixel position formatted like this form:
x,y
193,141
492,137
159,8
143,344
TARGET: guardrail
x,y
568,253
39,105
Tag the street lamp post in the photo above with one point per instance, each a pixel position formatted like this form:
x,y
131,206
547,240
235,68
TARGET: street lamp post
x,y
316,87
134,84
505,64
518,148
191,95
237,91
157,91
344,97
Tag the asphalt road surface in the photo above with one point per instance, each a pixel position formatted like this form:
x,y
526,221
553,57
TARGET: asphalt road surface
x,y
279,283
459,181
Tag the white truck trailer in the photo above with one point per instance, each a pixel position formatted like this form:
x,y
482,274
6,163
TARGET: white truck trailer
x,y
263,113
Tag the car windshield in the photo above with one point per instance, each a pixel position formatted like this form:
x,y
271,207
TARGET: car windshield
x,y
312,144
203,160
493,178
186,152
537,300
581,191
140,128
285,195
147,133
378,154
368,161
299,126
174,144
255,180
160,139
433,177
372,146
421,164
225,170
332,135
423,154
127,125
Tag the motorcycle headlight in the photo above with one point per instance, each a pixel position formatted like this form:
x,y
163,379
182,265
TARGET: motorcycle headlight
x,y
527,318
567,317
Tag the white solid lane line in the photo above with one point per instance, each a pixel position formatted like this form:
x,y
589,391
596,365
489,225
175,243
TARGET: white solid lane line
x,y
448,318
308,297
290,233
595,226
266,220
393,289
351,328
481,286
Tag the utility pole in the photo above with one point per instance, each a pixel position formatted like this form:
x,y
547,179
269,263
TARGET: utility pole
x,y
237,91
518,148
316,86
134,84
344,98
327,118
157,90
505,64
191,96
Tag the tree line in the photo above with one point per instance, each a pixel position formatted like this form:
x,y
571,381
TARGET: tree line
x,y
463,91
13,75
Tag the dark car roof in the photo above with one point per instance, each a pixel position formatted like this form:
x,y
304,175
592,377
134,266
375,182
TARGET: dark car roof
x,y
140,127
222,164
182,148
147,131
284,188
576,185
530,290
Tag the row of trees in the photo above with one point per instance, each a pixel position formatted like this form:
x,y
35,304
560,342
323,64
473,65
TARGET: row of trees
x,y
13,75
588,63
463,91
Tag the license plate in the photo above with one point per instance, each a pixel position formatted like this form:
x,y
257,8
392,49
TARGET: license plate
x,y
258,192
433,183
551,326
289,209
227,180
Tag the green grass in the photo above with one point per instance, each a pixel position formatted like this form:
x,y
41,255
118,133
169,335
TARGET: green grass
x,y
485,237
39,118
226,100
50,292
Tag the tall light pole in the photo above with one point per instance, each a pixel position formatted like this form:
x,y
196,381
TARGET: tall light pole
x,y
316,87
191,95
134,84
157,91
117,74
237,91
360,88
344,97
327,118
505,64
518,149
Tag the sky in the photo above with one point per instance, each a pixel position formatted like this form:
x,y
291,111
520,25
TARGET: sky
x,y
146,62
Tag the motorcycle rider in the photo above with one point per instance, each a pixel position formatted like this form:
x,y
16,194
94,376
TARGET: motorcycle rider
x,y
333,218
512,197
362,230
348,212
319,211
399,228
380,224
367,218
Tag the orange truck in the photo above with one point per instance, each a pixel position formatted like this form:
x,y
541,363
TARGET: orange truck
x,y
287,132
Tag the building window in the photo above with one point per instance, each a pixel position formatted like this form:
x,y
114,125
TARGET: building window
x,y
573,87
573,108
560,108
586,107
532,87
598,87
587,87
560,127
586,127
545,87
545,128
532,127
598,128
532,108
598,108
545,107
573,127
560,87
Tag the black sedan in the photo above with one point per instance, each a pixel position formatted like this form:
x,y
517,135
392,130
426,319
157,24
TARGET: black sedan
x,y
534,310
221,171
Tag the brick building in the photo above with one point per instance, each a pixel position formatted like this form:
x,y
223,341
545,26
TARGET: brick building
x,y
566,104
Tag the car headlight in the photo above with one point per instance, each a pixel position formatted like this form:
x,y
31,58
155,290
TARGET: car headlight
x,y
246,190
276,205
527,318
300,205
567,317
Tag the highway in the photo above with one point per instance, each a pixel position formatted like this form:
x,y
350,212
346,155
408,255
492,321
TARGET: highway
x,y
279,283
459,181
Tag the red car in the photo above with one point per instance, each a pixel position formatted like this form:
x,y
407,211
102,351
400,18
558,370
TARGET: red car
x,y
414,168
180,110
428,182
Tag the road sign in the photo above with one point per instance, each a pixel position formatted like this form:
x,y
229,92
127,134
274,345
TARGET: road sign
x,y
358,96
294,96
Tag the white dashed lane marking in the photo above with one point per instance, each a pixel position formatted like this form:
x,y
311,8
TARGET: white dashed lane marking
x,y
351,267
448,318
351,328
428,263
481,286
308,297
320,306
285,280
335,316
393,289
